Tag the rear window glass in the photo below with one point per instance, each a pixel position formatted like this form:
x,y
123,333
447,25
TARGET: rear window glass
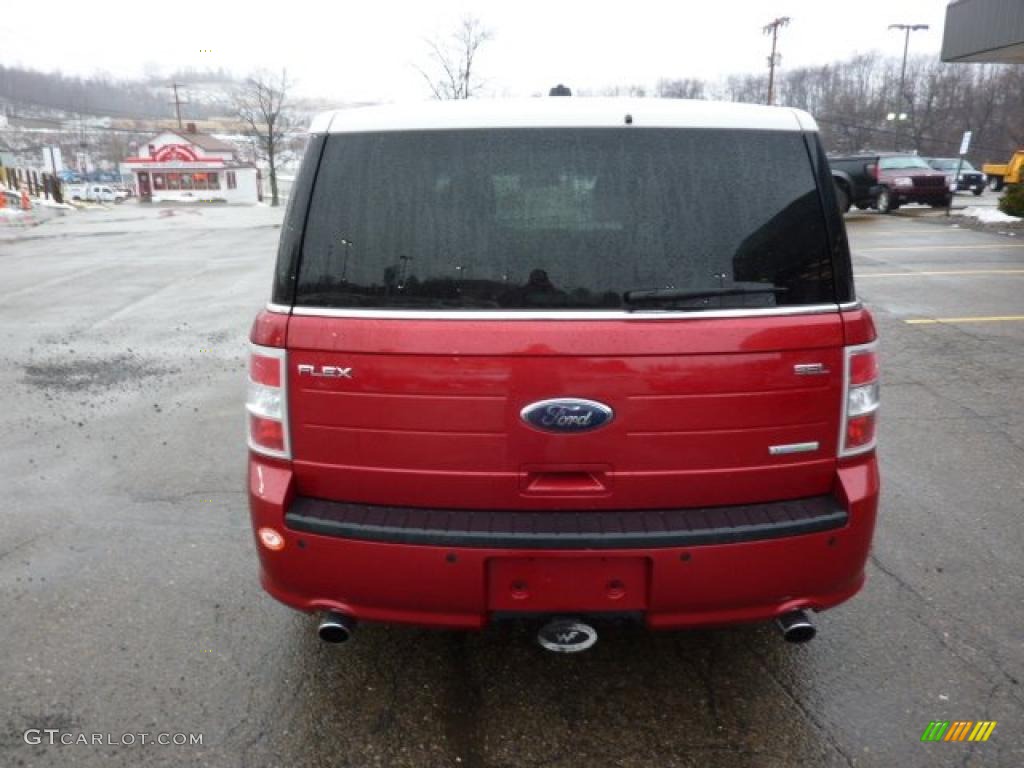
x,y
553,219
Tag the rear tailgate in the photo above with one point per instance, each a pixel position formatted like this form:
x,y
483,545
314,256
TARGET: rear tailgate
x,y
430,414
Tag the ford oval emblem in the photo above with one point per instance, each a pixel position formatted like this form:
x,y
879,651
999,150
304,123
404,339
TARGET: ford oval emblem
x,y
567,414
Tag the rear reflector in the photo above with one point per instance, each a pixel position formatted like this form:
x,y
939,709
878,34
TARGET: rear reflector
x,y
271,539
267,403
266,433
860,431
861,400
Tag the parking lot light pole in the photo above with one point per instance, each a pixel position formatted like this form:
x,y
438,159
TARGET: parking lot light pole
x,y
907,29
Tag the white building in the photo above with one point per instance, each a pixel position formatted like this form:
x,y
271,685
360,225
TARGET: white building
x,y
188,166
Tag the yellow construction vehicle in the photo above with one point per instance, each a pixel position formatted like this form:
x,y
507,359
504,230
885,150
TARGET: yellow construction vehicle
x,y
1001,174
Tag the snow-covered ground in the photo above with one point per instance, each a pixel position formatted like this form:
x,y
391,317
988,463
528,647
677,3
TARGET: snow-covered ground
x,y
133,217
989,215
47,203
41,211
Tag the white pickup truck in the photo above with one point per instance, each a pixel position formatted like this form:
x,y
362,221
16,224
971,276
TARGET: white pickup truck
x,y
100,193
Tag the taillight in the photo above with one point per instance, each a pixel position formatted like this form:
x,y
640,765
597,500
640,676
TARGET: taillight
x,y
860,404
267,402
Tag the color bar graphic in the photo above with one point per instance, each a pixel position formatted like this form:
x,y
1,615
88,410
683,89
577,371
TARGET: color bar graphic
x,y
958,730
935,730
982,731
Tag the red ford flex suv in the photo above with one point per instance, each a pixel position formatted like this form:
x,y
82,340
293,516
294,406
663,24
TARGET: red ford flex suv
x,y
522,361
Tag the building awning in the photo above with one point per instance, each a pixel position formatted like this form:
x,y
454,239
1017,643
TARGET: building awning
x,y
984,30
148,164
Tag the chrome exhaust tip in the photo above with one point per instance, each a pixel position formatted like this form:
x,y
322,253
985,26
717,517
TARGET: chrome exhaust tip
x,y
336,627
796,627
566,635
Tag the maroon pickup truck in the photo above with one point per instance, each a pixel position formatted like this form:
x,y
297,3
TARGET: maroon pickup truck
x,y
909,179
887,181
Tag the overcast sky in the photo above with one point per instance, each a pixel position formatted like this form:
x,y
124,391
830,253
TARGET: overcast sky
x,y
367,50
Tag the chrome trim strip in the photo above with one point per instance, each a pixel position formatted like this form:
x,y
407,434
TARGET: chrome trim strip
x,y
473,314
783,450
846,306
280,309
810,369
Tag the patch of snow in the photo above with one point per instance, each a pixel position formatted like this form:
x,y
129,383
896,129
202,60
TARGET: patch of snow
x,y
12,217
46,203
990,216
160,199
186,200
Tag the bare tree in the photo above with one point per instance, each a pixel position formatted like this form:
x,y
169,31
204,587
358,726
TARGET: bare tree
x,y
746,88
451,73
852,99
261,102
681,88
635,91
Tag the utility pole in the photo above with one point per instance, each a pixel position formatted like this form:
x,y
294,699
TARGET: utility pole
x,y
903,97
81,157
773,30
177,105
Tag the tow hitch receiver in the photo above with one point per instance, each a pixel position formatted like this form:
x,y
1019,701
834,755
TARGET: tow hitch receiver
x,y
566,635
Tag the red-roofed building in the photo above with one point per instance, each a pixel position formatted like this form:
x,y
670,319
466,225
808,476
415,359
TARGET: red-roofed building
x,y
188,166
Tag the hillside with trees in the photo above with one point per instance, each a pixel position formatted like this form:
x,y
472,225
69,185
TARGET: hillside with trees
x,y
28,92
852,99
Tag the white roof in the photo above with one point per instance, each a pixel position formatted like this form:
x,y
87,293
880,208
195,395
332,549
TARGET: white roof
x,y
561,112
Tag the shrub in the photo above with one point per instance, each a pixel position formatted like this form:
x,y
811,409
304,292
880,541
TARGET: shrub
x,y
1012,203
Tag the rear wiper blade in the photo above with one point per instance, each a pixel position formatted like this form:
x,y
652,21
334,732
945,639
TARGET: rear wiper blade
x,y
676,294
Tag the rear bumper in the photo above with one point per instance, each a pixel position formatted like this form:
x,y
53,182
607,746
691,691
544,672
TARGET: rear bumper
x,y
410,568
562,530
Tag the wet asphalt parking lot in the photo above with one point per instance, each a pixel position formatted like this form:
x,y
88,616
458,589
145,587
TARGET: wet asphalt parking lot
x,y
128,595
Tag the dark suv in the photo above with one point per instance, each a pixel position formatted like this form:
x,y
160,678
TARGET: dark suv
x,y
968,178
